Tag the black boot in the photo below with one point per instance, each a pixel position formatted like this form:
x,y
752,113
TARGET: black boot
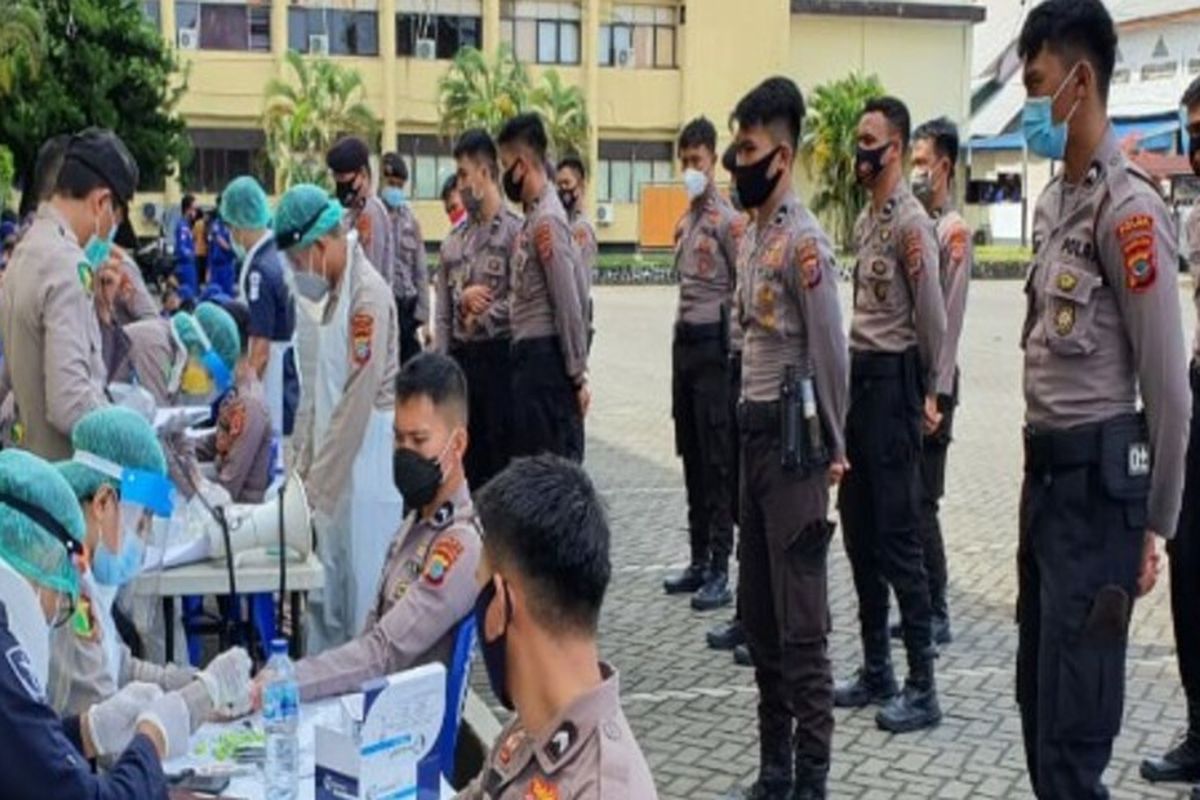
x,y
728,636
774,769
810,781
917,706
875,682
715,591
1180,764
741,656
686,582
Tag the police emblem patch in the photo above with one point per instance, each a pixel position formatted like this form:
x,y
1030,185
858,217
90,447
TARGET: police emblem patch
x,y
808,259
541,789
1136,234
880,290
84,271
543,239
1064,319
773,255
362,328
957,245
914,256
1067,282
444,554
764,305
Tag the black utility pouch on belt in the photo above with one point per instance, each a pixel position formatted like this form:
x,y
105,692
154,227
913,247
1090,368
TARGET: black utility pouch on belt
x,y
1125,464
801,437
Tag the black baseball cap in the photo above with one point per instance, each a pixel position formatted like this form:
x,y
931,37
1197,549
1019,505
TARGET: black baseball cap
x,y
102,152
348,154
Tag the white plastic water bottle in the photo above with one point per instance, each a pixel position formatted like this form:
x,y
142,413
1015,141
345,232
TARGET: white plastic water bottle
x,y
281,716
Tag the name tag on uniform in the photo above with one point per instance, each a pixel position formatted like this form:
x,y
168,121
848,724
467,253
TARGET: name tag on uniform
x,y
1138,463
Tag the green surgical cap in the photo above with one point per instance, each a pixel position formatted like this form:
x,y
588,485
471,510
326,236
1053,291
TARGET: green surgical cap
x,y
222,332
118,434
244,204
25,544
189,333
306,213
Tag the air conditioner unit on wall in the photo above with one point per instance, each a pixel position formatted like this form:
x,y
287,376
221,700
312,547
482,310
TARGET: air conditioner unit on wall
x,y
604,214
318,44
426,49
189,39
623,57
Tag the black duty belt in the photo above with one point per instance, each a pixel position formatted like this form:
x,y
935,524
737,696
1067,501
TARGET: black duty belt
x,y
1051,451
879,365
758,417
480,349
538,346
693,334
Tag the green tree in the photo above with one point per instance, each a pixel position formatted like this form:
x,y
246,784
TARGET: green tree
x,y
828,150
6,175
22,44
105,64
564,110
478,93
303,117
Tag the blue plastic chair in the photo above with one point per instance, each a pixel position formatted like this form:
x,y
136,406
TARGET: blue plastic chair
x,y
456,693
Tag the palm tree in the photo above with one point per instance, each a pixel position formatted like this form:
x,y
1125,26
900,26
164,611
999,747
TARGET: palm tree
x,y
22,44
476,93
830,140
301,119
564,110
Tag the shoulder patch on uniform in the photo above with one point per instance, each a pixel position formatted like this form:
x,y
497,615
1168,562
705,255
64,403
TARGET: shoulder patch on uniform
x,y
543,240
362,329
235,416
22,667
914,256
561,741
1136,235
443,516
808,261
957,244
255,288
445,552
541,789
581,236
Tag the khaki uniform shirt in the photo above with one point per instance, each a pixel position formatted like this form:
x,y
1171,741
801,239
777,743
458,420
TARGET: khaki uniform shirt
x,y
1193,259
427,586
956,258
789,312
53,355
375,235
243,442
707,240
545,283
410,273
1103,318
153,357
588,753
589,254
897,298
473,254
326,465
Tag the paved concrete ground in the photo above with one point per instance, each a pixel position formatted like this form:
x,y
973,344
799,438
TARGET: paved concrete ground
x,y
693,710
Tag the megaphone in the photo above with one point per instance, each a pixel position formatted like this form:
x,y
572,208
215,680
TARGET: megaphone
x,y
256,527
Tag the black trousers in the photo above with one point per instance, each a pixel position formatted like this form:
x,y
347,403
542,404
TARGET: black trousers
x,y
701,406
406,316
879,497
488,367
933,488
1184,554
1082,527
783,598
546,416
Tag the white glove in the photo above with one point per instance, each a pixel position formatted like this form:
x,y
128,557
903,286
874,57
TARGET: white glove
x,y
169,714
227,679
112,721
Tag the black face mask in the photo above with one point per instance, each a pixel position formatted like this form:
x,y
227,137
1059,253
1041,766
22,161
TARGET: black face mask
x,y
417,478
495,651
869,163
568,200
753,184
512,188
346,193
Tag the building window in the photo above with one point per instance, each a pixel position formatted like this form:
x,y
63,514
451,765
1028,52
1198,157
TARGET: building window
x,y
624,166
223,26
541,32
641,37
448,25
430,161
1154,72
221,154
152,9
315,28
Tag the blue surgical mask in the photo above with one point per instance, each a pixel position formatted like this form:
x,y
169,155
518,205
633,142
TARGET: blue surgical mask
x,y
97,250
118,569
393,197
694,183
1043,135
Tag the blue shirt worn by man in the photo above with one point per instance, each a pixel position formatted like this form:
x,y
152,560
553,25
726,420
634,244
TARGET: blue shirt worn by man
x,y
273,317
222,265
185,256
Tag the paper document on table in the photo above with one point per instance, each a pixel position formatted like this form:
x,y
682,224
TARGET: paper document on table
x,y
176,554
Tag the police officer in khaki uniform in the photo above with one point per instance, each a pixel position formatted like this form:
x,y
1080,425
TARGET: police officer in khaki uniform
x,y
537,611
1102,329
571,180
428,582
473,303
934,155
895,343
52,347
1182,762
155,361
707,238
791,414
550,386
349,163
410,274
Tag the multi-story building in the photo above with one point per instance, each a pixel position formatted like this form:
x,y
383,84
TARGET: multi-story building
x,y
646,67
